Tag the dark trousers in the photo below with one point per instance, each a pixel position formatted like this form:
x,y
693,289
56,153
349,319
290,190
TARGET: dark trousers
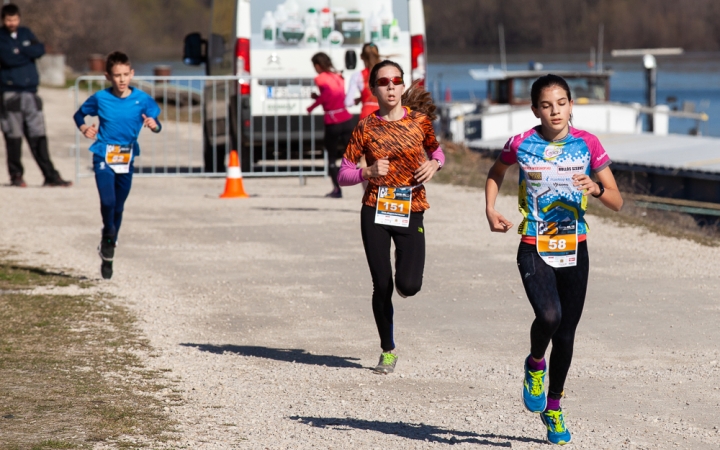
x,y
39,150
409,265
113,189
557,296
337,136
21,115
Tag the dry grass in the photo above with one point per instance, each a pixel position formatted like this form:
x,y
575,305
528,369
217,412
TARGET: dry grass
x,y
71,369
467,168
463,167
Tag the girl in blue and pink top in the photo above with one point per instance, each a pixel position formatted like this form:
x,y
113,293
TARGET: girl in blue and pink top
x,y
338,125
556,163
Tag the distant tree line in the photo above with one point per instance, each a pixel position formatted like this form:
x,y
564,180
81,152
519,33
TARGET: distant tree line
x,y
569,26
154,29
146,29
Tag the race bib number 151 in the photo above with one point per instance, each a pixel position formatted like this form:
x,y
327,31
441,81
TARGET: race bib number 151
x,y
393,206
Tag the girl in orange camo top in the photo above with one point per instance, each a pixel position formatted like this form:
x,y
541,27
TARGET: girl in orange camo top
x,y
398,142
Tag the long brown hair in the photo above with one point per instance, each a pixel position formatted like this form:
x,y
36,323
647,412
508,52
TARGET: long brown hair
x,y
415,97
418,99
324,61
370,55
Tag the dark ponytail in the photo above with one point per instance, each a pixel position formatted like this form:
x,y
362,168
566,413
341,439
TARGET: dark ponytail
x,y
324,61
415,96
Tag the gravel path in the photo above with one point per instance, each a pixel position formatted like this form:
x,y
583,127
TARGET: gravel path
x,y
261,309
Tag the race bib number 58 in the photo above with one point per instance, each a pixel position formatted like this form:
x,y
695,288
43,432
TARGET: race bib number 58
x,y
557,243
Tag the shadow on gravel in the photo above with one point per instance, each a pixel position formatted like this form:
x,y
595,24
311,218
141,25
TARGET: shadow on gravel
x,y
419,432
45,273
292,355
354,211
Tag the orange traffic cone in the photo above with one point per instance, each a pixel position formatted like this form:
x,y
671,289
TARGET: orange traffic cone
x,y
233,183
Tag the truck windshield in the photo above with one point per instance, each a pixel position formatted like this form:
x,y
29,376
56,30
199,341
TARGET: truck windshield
x,y
358,16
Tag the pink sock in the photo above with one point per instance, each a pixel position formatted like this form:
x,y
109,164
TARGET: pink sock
x,y
553,404
534,365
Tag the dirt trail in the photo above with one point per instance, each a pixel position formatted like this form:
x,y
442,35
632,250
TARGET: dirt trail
x,y
262,308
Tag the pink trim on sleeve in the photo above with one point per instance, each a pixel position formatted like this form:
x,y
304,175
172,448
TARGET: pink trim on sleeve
x,y
438,155
510,151
599,158
349,174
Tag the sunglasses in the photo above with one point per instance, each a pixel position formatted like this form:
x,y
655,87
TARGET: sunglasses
x,y
384,81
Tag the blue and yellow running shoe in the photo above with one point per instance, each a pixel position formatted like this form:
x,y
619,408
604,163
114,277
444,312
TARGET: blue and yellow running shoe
x,y
556,429
534,396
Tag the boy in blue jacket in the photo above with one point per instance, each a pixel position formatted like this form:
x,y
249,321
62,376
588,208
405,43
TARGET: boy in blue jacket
x,y
123,111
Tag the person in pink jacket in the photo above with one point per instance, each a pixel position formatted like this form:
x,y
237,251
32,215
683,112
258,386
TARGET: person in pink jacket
x,y
338,125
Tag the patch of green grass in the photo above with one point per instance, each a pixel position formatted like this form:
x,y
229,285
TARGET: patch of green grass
x,y
63,385
13,277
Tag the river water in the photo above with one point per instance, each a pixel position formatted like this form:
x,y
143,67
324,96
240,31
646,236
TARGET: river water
x,y
689,78
692,77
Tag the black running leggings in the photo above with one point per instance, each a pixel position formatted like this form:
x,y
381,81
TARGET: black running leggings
x,y
557,297
409,265
337,136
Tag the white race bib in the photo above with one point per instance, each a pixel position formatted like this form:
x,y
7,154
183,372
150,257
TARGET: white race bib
x,y
118,157
557,243
393,206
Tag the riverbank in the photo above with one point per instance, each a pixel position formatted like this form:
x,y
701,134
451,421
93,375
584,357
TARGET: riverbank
x,y
260,309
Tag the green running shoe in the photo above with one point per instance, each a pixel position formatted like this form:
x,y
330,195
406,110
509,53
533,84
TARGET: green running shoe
x,y
386,364
557,432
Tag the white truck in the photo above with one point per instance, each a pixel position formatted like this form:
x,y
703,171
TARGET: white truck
x,y
269,44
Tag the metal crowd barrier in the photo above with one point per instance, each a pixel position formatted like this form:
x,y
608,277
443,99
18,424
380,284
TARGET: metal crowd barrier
x,y
203,120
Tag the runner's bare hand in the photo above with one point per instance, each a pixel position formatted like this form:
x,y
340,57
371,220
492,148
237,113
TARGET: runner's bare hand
x,y
498,223
585,183
426,171
90,131
149,122
379,169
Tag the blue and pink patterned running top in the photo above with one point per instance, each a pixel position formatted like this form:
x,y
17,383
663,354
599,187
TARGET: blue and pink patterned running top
x,y
546,192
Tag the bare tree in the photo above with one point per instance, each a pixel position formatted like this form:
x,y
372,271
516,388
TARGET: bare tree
x,y
79,28
143,28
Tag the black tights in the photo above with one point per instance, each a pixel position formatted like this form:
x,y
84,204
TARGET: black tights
x,y
557,297
337,136
409,266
